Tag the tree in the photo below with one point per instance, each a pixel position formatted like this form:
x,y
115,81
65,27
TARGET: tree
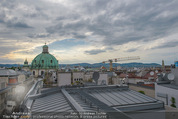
x,y
173,102
141,92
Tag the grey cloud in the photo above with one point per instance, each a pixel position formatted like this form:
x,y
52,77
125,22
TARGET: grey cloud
x,y
71,17
10,61
73,30
18,25
109,48
131,50
111,22
167,45
94,52
1,21
137,24
38,35
5,50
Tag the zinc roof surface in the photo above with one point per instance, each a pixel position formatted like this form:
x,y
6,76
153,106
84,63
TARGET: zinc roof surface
x,y
91,99
54,104
7,72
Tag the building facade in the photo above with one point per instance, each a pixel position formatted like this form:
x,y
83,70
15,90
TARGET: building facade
x,y
8,82
166,88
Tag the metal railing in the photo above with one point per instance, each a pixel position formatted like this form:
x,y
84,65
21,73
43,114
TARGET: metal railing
x,y
35,89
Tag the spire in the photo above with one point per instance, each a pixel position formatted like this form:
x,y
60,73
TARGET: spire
x,y
162,63
26,62
163,66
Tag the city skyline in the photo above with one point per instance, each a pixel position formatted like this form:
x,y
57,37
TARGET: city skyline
x,y
88,31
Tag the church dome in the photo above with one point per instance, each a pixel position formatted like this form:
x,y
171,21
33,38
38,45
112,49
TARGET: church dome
x,y
44,60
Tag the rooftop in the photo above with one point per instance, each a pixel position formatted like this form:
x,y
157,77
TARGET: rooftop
x,y
173,86
7,72
108,99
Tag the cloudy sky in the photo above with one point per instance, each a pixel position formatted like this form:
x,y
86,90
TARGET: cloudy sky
x,y
91,31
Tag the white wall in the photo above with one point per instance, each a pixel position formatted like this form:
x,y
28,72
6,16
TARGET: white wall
x,y
134,81
64,78
78,75
21,78
87,77
129,80
54,76
175,72
170,92
103,77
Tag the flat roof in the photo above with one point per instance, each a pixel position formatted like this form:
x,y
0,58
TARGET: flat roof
x,y
122,98
173,86
115,101
51,105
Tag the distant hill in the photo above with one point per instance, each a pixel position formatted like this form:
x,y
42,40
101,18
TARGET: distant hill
x,y
10,65
96,65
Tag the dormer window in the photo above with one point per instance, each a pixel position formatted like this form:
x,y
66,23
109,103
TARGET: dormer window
x,y
51,61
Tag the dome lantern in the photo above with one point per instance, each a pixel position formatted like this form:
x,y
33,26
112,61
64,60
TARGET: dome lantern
x,y
45,49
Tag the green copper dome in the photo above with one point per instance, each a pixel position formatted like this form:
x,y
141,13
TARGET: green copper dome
x,y
44,60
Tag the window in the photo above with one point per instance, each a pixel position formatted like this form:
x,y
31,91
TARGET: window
x,y
42,61
51,61
9,105
33,72
42,72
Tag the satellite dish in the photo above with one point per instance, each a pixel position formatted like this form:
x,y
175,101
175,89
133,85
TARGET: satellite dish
x,y
165,77
171,76
96,76
152,73
156,71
